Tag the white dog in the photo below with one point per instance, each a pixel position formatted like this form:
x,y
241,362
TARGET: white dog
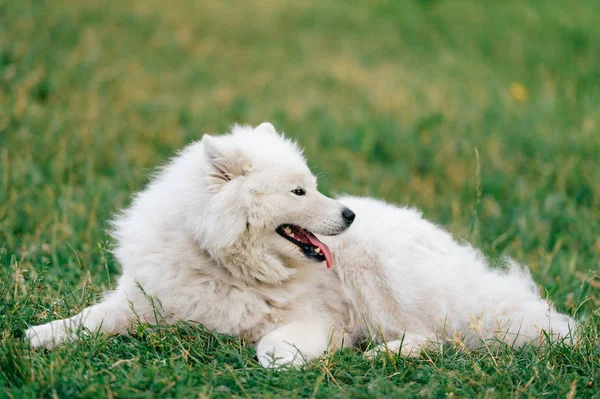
x,y
226,235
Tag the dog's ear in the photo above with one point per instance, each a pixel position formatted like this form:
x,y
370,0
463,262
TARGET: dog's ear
x,y
227,163
267,127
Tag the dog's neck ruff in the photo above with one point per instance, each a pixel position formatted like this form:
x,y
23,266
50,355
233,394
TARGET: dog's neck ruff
x,y
252,264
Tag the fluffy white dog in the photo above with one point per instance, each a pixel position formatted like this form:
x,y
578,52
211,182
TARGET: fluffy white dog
x,y
232,233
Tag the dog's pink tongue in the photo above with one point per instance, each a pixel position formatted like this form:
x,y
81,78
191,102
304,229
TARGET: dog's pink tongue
x,y
324,248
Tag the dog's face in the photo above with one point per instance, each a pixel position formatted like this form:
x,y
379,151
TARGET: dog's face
x,y
290,210
268,197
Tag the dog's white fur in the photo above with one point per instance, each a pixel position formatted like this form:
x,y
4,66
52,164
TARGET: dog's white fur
x,y
201,241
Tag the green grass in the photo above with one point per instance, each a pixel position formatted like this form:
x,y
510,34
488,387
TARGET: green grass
x,y
484,114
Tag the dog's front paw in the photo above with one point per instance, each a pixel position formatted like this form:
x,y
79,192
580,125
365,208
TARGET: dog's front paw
x,y
279,354
47,335
39,336
273,351
410,346
394,347
281,358
294,344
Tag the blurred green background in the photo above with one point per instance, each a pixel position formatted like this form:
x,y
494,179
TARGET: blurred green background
x,y
485,114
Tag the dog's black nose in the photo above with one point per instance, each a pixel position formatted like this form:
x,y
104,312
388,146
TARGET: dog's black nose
x,y
348,216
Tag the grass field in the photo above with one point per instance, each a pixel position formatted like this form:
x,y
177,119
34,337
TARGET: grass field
x,y
486,115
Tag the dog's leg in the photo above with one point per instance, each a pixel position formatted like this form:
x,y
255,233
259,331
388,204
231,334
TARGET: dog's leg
x,y
111,316
298,342
410,345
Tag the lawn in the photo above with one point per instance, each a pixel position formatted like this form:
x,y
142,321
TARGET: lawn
x,y
486,115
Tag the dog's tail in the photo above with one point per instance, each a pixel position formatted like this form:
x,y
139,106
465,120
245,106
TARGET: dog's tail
x,y
532,317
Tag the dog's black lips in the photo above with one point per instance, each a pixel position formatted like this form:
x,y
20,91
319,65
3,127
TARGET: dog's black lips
x,y
307,248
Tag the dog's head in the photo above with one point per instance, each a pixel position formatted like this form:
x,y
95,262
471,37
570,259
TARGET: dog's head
x,y
262,200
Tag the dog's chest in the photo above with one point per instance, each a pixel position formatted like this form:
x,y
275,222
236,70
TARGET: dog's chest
x,y
233,308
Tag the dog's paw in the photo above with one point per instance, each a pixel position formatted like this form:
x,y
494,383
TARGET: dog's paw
x,y
410,346
275,353
279,354
394,347
282,358
47,335
39,336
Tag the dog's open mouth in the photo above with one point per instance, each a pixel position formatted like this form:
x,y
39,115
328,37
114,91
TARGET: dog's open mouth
x,y
309,244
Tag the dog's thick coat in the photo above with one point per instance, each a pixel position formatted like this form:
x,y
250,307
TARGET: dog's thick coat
x,y
201,239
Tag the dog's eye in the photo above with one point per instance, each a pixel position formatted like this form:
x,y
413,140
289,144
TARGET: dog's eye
x,y
299,191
